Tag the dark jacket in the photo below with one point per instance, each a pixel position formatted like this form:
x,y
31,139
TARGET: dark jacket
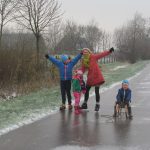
x,y
124,95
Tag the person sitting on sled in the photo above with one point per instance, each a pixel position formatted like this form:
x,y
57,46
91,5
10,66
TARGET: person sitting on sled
x,y
65,66
78,85
123,97
94,75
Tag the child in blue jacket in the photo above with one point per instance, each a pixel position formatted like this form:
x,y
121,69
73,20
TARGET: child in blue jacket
x,y
123,96
65,66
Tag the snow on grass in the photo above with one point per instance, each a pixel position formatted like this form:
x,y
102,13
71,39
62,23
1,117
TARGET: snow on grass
x,y
31,118
119,67
30,108
101,147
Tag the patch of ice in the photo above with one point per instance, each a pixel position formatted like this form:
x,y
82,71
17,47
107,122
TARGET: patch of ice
x,y
133,106
103,147
144,83
143,87
146,79
144,92
68,147
146,119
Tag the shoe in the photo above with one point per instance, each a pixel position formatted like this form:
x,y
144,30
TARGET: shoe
x,y
130,113
70,107
117,114
130,117
97,107
114,115
84,106
62,107
77,110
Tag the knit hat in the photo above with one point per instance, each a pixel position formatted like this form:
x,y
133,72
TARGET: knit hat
x,y
125,82
79,72
64,58
85,50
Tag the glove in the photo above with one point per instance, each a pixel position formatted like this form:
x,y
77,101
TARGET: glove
x,y
111,49
46,56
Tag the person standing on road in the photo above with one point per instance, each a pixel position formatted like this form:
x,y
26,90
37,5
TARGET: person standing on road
x,y
65,66
78,86
94,76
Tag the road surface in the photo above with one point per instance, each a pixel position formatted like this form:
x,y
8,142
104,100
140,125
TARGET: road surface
x,y
90,131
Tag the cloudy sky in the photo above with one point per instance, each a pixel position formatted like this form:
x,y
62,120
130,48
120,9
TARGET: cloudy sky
x,y
109,14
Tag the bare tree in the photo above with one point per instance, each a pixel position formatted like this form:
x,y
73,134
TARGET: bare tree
x,y
71,39
131,39
7,9
76,37
93,36
106,40
54,35
36,16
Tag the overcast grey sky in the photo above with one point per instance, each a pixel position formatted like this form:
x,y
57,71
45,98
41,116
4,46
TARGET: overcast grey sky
x,y
109,14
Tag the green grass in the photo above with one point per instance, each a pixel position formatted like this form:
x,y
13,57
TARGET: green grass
x,y
23,107
122,73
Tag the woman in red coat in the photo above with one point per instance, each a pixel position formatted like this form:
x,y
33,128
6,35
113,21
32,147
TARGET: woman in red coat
x,y
94,76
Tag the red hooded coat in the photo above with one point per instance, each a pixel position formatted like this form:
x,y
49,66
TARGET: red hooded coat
x,y
94,76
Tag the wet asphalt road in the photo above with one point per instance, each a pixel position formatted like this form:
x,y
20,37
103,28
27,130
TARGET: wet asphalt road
x,y
90,130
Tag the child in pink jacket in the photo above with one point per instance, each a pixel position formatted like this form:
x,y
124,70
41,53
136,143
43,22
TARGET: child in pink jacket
x,y
78,88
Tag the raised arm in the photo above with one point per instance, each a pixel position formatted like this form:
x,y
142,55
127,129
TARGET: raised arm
x,y
102,54
105,53
53,60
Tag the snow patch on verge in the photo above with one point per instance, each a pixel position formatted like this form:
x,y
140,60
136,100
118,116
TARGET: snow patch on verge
x,y
69,147
33,117
119,67
37,116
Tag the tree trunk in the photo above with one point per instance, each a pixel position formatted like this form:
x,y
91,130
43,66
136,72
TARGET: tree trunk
x,y
37,50
1,33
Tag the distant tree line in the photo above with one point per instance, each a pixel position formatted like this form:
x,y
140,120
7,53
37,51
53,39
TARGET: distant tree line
x,y
133,39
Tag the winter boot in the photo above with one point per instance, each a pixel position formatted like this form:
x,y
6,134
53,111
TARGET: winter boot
x,y
130,112
62,107
77,110
114,115
84,106
97,107
70,107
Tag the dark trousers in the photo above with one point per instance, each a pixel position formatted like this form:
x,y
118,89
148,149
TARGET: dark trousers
x,y
86,96
65,90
